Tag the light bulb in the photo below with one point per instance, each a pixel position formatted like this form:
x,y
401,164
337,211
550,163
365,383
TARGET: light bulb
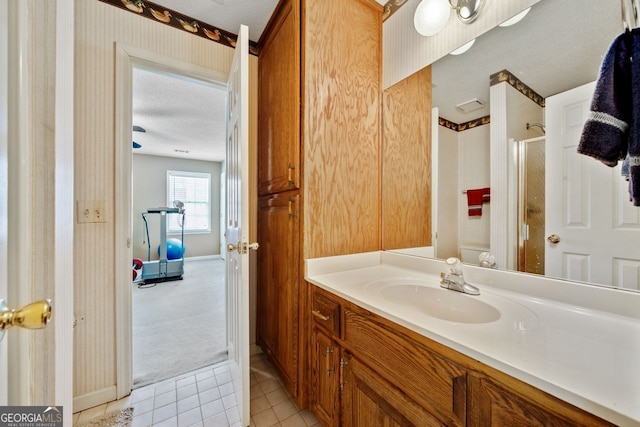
x,y
431,16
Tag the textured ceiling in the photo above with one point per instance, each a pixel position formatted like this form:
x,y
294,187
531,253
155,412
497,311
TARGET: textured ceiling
x,y
178,114
559,45
186,115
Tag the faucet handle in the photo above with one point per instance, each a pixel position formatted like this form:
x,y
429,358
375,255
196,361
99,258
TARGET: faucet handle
x,y
454,266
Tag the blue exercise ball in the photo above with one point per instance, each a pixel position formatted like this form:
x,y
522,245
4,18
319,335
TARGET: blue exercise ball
x,y
175,249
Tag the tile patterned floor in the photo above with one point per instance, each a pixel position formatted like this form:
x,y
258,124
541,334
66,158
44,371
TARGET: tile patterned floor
x,y
206,398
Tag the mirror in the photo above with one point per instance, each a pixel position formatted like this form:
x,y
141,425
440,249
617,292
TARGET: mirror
x,y
558,46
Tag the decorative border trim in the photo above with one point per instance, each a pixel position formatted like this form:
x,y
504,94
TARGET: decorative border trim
x,y
182,22
464,126
391,7
517,84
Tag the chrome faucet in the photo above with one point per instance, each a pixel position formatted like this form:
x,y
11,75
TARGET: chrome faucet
x,y
454,279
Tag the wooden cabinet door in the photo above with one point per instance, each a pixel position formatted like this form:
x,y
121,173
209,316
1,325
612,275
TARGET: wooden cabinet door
x,y
426,377
325,371
370,401
493,405
278,288
279,102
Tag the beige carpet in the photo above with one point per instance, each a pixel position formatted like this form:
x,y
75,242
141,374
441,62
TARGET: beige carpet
x,y
121,418
180,326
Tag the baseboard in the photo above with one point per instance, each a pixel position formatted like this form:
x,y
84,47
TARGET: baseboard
x,y
254,349
95,398
202,257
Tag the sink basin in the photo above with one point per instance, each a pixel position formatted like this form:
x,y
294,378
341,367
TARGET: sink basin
x,y
437,302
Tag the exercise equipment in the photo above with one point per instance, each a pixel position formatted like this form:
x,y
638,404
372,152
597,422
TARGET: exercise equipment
x,y
164,269
137,269
175,248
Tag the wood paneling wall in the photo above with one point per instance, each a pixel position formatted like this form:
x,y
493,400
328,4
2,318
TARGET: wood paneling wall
x,y
341,128
406,51
406,159
98,27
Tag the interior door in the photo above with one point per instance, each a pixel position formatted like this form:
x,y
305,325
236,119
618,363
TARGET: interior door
x,y
592,228
4,111
237,260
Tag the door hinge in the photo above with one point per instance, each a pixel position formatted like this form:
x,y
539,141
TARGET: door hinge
x,y
343,363
328,366
290,169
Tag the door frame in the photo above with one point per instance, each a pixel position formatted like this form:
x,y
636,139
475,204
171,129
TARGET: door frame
x,y
126,57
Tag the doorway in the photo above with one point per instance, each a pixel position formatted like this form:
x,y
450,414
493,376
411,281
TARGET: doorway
x,y
129,61
178,147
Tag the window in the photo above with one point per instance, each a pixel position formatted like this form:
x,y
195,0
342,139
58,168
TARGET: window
x,y
192,189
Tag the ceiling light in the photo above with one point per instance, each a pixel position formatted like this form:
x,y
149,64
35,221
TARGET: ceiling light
x,y
432,15
515,19
462,49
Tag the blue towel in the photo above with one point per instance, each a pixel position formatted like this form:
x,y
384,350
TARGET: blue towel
x,y
612,130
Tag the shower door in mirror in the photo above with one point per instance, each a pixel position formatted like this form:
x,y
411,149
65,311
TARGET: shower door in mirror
x,y
531,205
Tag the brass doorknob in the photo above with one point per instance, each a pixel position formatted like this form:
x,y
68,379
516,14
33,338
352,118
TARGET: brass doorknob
x,y
231,247
553,238
31,316
253,246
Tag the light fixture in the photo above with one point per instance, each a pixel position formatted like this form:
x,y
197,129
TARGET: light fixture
x,y
462,49
432,15
515,19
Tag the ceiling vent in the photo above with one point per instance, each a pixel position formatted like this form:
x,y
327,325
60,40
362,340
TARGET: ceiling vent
x,y
471,105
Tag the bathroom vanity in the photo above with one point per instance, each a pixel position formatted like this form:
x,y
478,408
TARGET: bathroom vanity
x,y
388,344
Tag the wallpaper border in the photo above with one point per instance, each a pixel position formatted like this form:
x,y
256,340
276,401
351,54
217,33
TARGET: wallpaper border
x,y
180,21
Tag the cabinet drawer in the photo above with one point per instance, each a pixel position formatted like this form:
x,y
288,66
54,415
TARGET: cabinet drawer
x,y
326,312
435,383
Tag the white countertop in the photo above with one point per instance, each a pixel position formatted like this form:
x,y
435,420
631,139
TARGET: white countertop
x,y
580,343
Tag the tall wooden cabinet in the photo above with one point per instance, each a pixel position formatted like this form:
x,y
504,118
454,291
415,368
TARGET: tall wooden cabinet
x,y
319,160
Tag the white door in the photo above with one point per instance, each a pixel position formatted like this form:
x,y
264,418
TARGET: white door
x,y
19,96
4,78
588,210
223,210
435,183
237,260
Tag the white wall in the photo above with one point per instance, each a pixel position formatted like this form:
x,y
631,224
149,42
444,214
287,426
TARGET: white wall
x,y
473,172
150,190
448,192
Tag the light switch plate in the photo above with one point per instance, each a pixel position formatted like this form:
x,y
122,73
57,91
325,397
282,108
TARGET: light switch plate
x,y
90,211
